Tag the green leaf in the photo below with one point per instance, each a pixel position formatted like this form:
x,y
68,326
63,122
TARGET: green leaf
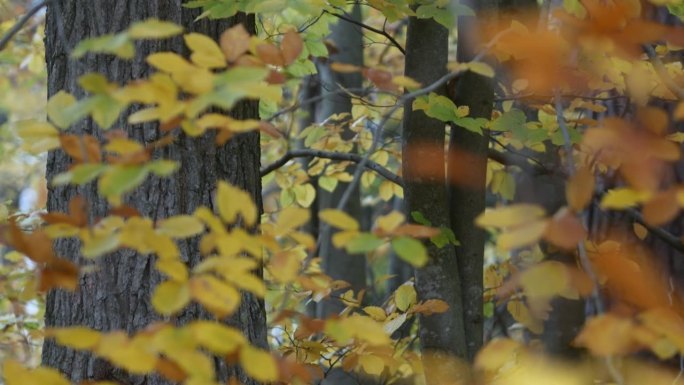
x,y
509,121
420,218
121,179
472,124
410,250
162,167
363,243
481,68
84,173
119,45
445,237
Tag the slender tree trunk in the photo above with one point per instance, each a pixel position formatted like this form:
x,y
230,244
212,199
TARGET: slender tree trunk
x,y
423,140
348,40
468,159
117,295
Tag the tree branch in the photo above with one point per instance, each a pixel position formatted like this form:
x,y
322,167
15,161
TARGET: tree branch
x,y
662,72
381,32
20,24
339,156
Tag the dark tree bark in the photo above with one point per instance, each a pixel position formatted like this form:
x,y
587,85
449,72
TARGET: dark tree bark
x,y
117,295
468,159
422,143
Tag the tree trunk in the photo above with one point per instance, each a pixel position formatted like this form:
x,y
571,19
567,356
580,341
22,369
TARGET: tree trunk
x,y
337,263
117,295
423,143
468,155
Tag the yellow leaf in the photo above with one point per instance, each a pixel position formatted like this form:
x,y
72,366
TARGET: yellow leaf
x,y
75,337
523,235
217,338
56,109
338,219
248,282
134,356
169,62
509,216
622,198
496,354
180,226
215,295
304,194
388,223
640,231
258,364
153,29
481,68
170,297
232,201
580,189
521,314
545,279
175,269
372,365
406,82
15,374
205,52
290,218
124,146
405,296
341,238
38,136
377,313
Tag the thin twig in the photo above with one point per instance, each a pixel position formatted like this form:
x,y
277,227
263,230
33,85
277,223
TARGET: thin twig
x,y
662,72
582,251
381,32
339,156
20,24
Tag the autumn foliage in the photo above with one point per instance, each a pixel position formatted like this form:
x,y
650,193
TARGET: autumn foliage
x,y
591,96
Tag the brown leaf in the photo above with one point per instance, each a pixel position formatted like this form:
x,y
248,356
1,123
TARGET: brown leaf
x,y
270,54
84,148
59,273
291,46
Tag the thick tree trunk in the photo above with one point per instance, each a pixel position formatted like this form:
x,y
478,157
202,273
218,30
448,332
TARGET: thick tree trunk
x,y
337,263
423,143
117,295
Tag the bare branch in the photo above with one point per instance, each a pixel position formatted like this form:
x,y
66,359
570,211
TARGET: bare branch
x,y
20,24
339,156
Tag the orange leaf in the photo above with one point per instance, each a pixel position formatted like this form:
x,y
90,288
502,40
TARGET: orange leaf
x,y
565,230
234,42
580,189
662,208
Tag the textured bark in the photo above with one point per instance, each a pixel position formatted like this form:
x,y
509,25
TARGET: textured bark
x,y
422,142
337,263
117,295
468,156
